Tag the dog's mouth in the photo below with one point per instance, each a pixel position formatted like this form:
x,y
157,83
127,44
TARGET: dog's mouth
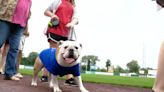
x,y
69,60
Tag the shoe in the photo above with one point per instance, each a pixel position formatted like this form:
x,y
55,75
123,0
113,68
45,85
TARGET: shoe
x,y
1,72
18,75
14,78
44,79
70,82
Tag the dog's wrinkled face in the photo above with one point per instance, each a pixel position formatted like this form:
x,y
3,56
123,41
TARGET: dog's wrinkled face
x,y
68,52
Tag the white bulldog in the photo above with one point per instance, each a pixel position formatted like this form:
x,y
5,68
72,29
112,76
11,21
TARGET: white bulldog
x,y
60,61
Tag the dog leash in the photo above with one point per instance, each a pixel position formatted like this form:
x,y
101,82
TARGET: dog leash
x,y
71,33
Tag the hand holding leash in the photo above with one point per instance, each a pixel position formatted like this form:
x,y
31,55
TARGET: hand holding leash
x,y
53,23
70,25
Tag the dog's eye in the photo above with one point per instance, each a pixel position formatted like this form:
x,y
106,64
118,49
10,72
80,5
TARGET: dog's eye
x,y
76,47
65,47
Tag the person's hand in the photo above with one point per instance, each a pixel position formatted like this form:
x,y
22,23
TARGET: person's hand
x,y
26,33
70,25
53,17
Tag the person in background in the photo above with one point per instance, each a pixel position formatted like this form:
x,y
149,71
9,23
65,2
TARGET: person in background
x,y
159,80
19,56
14,15
4,51
21,47
63,18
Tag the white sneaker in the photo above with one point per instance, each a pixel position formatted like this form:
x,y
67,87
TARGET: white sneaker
x,y
1,71
18,75
14,78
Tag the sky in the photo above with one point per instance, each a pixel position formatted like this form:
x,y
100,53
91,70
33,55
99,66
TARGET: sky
x,y
119,30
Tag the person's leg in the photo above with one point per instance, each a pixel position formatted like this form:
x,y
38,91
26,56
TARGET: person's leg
x,y
70,80
14,39
159,81
3,58
69,76
4,32
19,56
45,75
19,59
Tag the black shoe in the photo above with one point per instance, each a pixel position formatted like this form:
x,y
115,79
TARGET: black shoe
x,y
6,77
70,82
44,79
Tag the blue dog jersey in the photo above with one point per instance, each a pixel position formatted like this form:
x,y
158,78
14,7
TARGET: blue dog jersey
x,y
48,59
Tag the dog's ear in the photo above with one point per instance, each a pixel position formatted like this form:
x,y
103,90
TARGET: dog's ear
x,y
60,42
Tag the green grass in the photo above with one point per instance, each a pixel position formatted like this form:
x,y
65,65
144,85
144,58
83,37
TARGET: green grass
x,y
115,80
119,80
26,71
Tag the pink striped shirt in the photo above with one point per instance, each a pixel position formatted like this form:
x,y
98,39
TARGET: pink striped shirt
x,y
22,12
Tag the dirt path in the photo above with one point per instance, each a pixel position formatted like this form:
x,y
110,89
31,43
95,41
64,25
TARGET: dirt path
x,y
24,86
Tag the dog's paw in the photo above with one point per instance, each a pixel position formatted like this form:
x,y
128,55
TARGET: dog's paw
x,y
57,90
33,84
51,85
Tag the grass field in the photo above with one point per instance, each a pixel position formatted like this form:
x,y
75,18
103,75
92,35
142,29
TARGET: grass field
x,y
119,80
115,80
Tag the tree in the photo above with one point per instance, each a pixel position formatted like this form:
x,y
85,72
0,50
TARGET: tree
x,y
108,63
24,61
89,60
83,68
146,71
119,69
133,66
30,59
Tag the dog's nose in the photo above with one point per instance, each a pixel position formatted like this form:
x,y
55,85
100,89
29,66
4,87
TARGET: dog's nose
x,y
71,51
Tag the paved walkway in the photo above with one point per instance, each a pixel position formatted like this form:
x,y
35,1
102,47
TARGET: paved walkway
x,y
24,86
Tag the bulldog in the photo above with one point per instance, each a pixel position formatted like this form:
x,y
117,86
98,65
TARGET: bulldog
x,y
60,61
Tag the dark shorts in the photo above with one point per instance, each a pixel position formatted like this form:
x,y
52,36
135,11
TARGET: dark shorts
x,y
55,37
